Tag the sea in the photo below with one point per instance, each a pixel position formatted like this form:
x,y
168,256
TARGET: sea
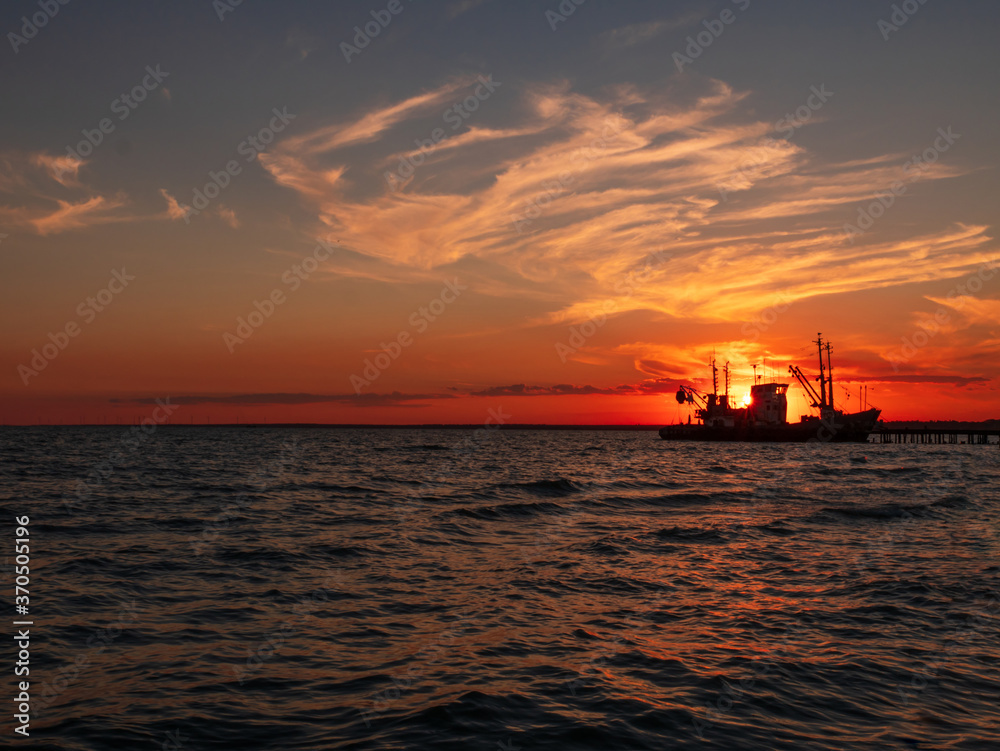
x,y
309,588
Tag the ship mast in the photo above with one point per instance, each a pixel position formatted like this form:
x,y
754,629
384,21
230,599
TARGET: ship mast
x,y
822,372
715,376
829,377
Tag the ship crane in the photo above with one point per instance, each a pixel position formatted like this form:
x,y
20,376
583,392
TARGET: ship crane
x,y
824,399
801,378
688,395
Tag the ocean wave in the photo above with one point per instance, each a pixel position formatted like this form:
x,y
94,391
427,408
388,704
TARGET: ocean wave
x,y
560,486
508,510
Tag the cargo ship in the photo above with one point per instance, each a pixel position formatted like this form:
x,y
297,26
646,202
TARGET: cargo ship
x,y
764,417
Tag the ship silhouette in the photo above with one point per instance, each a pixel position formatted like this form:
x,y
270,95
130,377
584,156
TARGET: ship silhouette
x,y
765,417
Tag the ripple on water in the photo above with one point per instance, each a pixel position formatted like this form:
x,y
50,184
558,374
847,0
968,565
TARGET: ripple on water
x,y
391,589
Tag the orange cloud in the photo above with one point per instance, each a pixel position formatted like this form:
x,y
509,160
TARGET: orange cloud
x,y
71,216
50,197
590,186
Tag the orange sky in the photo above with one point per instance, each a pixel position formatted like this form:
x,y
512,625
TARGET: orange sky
x,y
566,244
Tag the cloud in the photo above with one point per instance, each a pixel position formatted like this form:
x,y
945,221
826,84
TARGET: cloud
x,y
74,216
635,34
177,211
228,216
64,169
570,193
952,380
646,388
973,310
657,368
521,389
370,126
174,209
48,198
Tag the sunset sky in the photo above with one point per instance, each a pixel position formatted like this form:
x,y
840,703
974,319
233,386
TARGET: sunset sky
x,y
494,205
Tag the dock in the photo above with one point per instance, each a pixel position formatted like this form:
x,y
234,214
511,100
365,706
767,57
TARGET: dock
x,y
979,436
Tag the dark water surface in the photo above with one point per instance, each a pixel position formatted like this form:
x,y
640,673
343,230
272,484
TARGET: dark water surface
x,y
410,589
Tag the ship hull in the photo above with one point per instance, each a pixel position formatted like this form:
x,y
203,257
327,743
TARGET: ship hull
x,y
841,428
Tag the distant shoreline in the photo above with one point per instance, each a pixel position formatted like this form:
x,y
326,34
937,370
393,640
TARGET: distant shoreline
x,y
932,424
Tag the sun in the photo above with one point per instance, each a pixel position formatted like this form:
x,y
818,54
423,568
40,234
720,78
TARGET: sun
x,y
747,399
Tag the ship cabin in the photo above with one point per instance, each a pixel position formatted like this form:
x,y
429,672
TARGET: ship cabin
x,y
768,403
718,413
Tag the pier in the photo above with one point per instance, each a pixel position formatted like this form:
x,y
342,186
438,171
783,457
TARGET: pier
x,y
980,436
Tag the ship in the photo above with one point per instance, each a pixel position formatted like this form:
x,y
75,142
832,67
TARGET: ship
x,y
764,417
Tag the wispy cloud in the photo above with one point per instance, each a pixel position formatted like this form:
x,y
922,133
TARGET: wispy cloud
x,y
972,310
521,389
228,216
79,215
174,209
63,168
371,126
177,212
655,387
638,33
945,379
46,196
594,184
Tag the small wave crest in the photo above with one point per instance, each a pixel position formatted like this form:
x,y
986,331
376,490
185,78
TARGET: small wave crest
x,y
559,486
